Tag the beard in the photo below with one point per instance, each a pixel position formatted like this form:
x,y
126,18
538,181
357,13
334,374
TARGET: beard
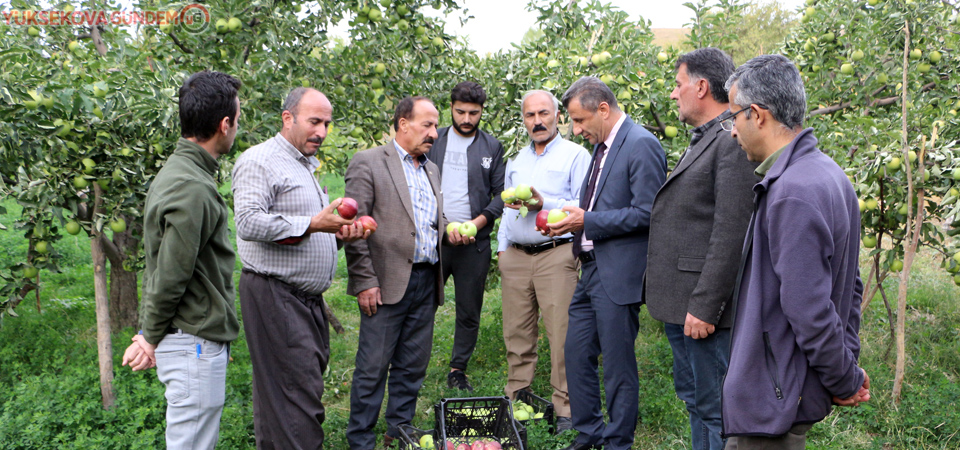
x,y
465,128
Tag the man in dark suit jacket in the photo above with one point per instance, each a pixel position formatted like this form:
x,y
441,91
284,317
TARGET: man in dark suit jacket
x,y
699,220
610,227
395,274
471,176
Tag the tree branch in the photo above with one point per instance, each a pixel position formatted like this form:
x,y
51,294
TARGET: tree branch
x,y
876,102
113,253
97,40
179,44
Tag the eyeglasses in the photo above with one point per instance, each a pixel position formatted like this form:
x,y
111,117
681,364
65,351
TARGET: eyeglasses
x,y
727,124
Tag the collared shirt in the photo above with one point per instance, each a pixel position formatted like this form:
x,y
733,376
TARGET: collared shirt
x,y
557,175
275,195
765,166
424,206
587,244
697,133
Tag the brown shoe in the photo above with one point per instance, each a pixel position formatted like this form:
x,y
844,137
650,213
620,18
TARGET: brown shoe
x,y
388,441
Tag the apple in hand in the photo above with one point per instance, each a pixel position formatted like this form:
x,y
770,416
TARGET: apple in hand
x,y
453,226
542,219
556,215
348,208
368,223
523,192
508,195
468,229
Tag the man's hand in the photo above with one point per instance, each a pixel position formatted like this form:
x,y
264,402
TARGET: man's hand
x,y
327,221
140,354
862,395
696,328
570,224
454,238
369,300
534,203
350,233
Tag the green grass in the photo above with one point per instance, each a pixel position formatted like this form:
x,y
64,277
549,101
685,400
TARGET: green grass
x,y
49,396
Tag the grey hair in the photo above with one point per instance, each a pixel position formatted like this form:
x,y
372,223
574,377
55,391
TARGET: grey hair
x,y
556,103
772,81
292,103
591,92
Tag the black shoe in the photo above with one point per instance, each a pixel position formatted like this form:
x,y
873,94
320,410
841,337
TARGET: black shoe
x,y
579,446
458,380
564,424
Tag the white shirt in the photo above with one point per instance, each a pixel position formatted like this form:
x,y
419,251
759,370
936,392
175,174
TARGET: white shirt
x,y
587,244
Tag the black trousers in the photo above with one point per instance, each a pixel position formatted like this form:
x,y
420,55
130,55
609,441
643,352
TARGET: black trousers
x,y
468,264
289,341
397,341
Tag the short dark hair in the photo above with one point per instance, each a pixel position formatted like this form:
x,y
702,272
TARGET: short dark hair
x,y
711,64
405,110
468,92
205,99
591,92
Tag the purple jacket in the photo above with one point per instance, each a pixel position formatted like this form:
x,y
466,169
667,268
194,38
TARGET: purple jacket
x,y
795,342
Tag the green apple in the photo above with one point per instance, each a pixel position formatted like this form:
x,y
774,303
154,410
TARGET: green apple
x,y
80,182
523,192
166,27
809,11
420,31
894,164
376,84
118,226
403,25
862,204
521,415
380,68
426,442
871,203
670,131
607,79
624,95
956,174
356,133
916,53
403,10
552,63
234,24
882,78
221,26
869,241
846,69
468,229
828,37
30,272
923,67
935,56
88,165
873,2
104,183
33,31
595,59
808,46
912,156
98,112
556,215
72,227
662,57
509,195
956,280
896,265
126,151
41,247
31,104
857,55
605,56
453,226
375,15
73,45
47,102
437,41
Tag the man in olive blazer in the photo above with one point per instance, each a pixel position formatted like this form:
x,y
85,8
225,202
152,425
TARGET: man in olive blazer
x,y
395,274
697,228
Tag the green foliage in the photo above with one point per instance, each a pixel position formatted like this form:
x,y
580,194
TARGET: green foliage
x,y
742,29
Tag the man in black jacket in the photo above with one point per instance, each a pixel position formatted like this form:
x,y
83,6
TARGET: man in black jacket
x,y
471,173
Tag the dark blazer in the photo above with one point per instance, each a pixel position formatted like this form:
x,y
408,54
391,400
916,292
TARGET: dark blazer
x,y
485,170
634,170
700,218
376,181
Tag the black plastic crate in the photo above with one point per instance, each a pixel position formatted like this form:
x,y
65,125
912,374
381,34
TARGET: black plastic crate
x,y
410,437
468,419
540,405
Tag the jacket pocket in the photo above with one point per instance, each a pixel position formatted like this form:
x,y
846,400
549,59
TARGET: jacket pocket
x,y
690,264
772,366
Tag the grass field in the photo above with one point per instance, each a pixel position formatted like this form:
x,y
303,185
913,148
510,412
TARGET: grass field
x,y
49,395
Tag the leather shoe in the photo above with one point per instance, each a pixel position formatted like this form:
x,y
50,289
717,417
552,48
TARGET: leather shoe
x,y
579,446
564,424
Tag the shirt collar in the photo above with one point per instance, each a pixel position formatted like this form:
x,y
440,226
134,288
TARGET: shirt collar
x,y
765,166
292,152
613,131
404,155
553,142
698,132
198,154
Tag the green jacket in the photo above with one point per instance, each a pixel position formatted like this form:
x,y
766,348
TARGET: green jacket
x,y
188,282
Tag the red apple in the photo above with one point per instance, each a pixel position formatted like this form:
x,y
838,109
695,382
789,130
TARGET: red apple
x,y
492,445
347,208
477,445
542,219
368,223
463,447
450,445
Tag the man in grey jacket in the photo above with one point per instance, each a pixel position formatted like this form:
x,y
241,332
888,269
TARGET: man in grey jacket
x,y
794,345
699,218
471,172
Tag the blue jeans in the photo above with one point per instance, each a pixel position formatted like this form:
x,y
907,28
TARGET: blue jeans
x,y
196,383
698,369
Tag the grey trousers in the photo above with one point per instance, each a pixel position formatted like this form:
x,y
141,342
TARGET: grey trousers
x,y
194,371
469,265
795,439
289,342
393,351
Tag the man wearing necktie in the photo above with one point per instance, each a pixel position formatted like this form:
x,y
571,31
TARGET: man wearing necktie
x,y
610,239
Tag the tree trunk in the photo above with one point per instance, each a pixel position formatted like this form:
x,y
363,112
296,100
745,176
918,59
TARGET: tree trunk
x,y
123,284
104,345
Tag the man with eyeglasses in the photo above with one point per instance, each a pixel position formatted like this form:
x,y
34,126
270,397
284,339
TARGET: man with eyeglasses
x,y
794,345
697,225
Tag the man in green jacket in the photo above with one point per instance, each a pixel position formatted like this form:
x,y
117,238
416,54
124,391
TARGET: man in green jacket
x,y
187,314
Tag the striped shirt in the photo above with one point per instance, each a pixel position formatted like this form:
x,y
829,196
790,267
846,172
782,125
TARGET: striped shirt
x,y
424,206
274,197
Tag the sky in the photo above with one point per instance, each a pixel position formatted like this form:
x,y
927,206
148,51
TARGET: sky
x,y
498,23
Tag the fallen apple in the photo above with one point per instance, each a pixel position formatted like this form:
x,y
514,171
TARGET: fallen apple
x,y
426,442
368,223
348,208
